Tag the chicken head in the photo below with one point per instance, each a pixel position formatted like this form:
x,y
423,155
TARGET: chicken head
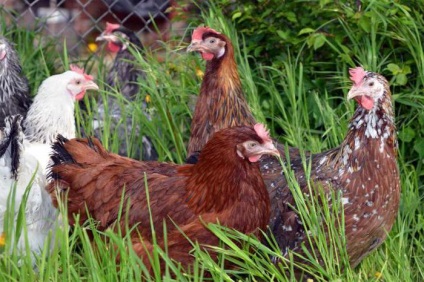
x,y
116,38
368,87
210,43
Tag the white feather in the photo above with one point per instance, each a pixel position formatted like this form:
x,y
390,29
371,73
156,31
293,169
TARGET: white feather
x,y
40,213
51,113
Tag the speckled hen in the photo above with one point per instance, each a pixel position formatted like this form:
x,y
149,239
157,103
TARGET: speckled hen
x,y
364,168
125,76
14,90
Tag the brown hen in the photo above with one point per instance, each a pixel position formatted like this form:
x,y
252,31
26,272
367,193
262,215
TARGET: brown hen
x,y
221,102
225,186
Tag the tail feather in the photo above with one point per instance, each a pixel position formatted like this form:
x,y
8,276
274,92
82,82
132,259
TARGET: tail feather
x,y
60,155
78,152
13,140
75,164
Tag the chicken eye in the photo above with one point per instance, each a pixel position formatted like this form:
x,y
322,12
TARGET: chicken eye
x,y
212,41
78,82
252,144
371,84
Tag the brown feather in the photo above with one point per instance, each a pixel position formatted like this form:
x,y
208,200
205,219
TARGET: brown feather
x,y
221,95
221,103
221,188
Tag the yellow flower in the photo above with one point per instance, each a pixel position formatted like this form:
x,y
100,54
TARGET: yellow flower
x,y
309,280
92,47
148,98
200,73
2,239
378,275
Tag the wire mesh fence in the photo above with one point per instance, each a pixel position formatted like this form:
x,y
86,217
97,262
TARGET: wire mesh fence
x,y
80,21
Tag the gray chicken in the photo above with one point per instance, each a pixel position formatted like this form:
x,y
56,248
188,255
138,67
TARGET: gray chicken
x,y
14,90
123,75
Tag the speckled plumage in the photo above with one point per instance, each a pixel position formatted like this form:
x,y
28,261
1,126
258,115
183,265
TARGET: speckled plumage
x,y
363,168
14,90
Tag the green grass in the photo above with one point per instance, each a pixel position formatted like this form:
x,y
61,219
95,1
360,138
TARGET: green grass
x,y
310,118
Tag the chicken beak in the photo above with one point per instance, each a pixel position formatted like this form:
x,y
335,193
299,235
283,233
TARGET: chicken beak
x,y
105,37
354,92
101,37
90,85
269,148
194,46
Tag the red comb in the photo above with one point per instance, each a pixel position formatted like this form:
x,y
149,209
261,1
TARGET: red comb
x,y
262,132
79,70
198,32
111,27
357,75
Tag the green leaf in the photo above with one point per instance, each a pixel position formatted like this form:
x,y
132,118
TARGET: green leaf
x,y
236,15
407,134
406,69
365,24
306,30
266,105
421,120
419,147
393,68
291,17
319,41
282,34
401,79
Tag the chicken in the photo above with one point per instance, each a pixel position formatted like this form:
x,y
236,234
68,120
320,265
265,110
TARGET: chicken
x,y
225,186
24,154
221,103
125,76
363,168
14,90
123,73
221,89
19,166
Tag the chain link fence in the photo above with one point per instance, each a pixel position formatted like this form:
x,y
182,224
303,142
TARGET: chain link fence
x,y
80,21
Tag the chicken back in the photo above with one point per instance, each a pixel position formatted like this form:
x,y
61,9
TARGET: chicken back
x,y
225,186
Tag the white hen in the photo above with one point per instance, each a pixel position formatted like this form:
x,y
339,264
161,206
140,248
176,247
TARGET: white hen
x,y
24,156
